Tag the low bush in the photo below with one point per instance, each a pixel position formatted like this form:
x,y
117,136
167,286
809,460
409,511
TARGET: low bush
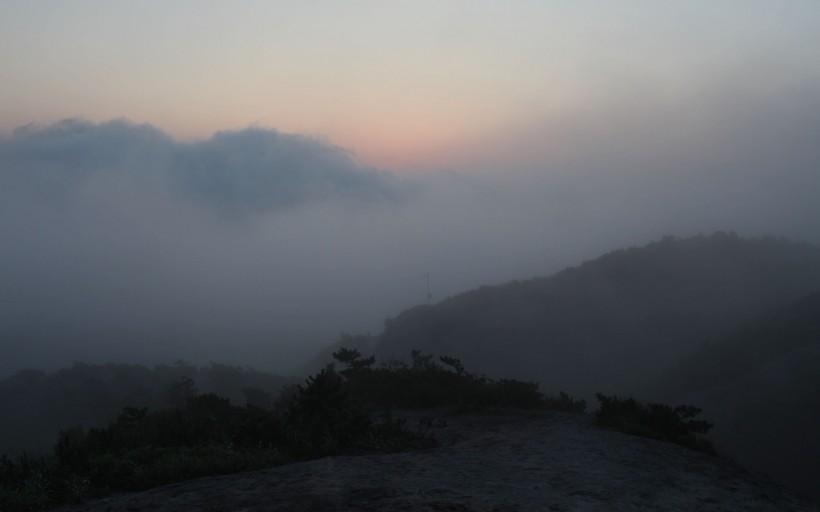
x,y
657,421
564,402
425,383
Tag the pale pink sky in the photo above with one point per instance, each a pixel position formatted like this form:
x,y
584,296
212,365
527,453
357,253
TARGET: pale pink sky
x,y
403,85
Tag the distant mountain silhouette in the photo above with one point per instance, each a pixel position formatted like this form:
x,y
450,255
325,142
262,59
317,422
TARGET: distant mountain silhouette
x,y
614,323
36,405
748,350
759,385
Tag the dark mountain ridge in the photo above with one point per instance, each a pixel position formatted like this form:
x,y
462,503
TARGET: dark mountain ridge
x,y
613,323
759,386
746,350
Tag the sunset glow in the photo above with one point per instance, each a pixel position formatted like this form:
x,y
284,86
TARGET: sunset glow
x,y
395,84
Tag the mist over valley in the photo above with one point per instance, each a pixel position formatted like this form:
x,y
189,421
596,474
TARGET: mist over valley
x,y
260,247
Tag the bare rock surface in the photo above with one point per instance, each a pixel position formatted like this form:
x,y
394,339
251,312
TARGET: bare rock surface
x,y
546,461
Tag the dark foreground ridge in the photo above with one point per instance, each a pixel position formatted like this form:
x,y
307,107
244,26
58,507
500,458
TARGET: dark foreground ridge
x,y
520,461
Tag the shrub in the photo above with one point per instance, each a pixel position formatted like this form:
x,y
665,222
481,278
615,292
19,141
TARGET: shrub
x,y
321,419
564,402
425,383
656,421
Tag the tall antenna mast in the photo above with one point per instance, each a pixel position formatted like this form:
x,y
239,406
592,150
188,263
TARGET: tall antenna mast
x,y
427,279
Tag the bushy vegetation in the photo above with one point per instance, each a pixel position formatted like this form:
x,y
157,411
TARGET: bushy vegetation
x,y
657,421
332,412
349,410
37,404
352,409
426,383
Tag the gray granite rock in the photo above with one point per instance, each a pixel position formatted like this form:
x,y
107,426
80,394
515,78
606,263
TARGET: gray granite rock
x,y
546,461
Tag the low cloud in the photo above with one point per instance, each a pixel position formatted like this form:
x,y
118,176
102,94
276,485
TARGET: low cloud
x,y
122,243
251,171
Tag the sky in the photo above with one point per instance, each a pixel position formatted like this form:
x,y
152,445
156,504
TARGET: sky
x,y
242,181
405,85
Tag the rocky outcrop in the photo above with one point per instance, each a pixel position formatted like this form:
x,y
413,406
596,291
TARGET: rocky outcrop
x,y
545,461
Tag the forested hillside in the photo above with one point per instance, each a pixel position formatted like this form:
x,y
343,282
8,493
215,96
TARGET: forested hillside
x,y
760,386
747,350
613,323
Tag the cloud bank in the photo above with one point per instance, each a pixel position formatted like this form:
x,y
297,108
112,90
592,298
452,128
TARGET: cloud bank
x,y
124,243
256,247
251,171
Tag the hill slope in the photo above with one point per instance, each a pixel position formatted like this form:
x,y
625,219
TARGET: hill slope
x,y
613,323
759,385
749,349
547,461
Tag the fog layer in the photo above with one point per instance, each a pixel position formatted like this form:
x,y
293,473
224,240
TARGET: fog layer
x,y
256,247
